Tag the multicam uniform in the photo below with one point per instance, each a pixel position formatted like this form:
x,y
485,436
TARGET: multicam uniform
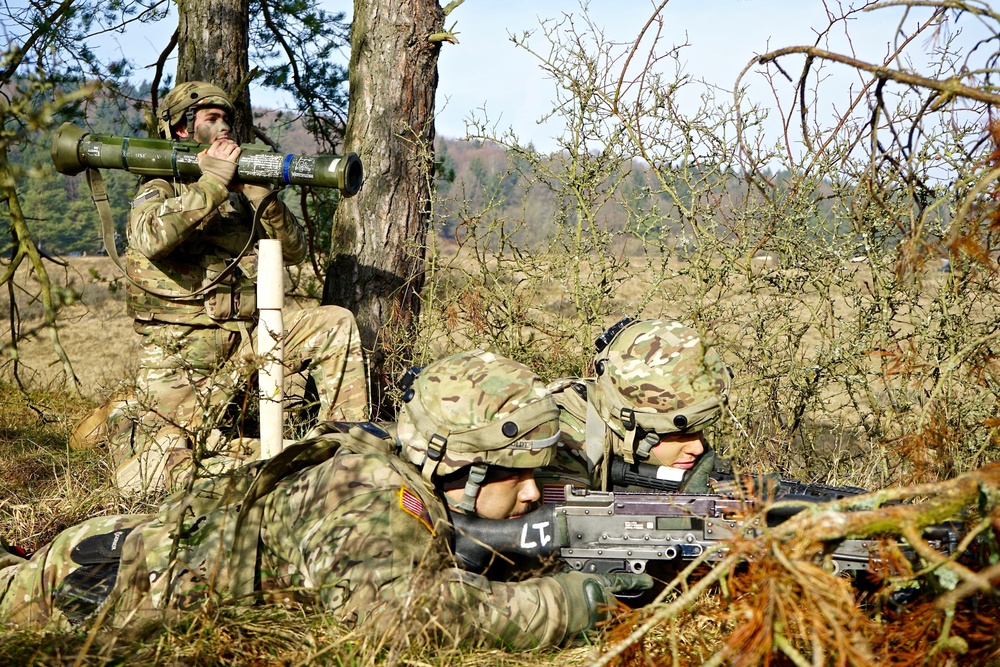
x,y
197,328
340,523
571,464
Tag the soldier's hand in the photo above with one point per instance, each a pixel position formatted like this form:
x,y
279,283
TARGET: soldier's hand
x,y
591,597
220,159
224,149
255,193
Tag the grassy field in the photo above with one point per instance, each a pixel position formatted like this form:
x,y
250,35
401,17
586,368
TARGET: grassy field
x,y
45,486
95,332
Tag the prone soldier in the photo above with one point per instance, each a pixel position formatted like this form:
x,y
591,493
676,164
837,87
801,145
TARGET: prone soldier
x,y
191,266
352,519
639,423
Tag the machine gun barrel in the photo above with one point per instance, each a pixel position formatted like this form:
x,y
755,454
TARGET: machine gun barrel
x,y
74,150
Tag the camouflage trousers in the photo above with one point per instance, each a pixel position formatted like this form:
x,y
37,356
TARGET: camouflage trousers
x,y
191,375
69,579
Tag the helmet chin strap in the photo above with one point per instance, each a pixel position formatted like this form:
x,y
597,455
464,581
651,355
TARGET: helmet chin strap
x,y
477,474
646,445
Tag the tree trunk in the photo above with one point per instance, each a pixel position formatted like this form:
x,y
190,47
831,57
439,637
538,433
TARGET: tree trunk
x,y
379,235
213,43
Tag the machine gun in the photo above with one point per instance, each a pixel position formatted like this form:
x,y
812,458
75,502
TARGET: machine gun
x,y
617,531
74,150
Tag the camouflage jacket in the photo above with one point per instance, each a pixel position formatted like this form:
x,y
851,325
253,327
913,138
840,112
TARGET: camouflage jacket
x,y
335,522
181,236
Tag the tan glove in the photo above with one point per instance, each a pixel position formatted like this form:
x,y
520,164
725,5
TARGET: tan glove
x,y
591,597
255,193
223,170
273,218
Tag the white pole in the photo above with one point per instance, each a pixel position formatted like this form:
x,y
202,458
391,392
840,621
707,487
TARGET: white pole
x,y
270,348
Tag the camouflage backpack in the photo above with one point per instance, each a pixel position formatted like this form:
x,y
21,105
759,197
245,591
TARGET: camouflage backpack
x,y
250,484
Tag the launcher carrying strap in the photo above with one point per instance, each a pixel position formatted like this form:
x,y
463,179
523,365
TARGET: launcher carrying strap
x,y
99,195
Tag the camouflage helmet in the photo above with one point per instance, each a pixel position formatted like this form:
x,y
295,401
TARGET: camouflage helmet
x,y
184,99
473,410
656,377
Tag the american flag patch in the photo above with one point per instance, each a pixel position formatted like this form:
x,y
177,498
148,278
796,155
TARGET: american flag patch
x,y
410,503
553,493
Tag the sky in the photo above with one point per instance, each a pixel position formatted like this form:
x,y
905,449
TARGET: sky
x,y
486,70
486,73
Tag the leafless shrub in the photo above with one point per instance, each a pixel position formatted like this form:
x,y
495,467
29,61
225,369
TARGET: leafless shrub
x,y
857,360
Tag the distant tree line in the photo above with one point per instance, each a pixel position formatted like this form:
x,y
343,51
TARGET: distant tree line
x,y
470,176
479,183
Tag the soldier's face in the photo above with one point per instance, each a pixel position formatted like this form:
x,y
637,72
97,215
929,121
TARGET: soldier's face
x,y
678,450
211,123
505,498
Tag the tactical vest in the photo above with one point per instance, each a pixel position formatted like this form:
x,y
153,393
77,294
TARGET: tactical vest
x,y
185,287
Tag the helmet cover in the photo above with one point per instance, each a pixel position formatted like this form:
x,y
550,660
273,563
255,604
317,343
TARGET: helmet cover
x,y
477,408
184,99
658,376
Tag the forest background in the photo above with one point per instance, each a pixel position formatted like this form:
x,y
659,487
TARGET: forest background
x,y
64,220
812,260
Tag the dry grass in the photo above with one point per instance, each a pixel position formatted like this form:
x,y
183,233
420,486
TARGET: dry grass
x,y
94,330
46,487
835,366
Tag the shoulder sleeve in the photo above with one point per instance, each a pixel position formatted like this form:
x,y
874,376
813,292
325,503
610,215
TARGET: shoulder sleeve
x,y
523,615
354,531
470,608
161,219
280,223
347,528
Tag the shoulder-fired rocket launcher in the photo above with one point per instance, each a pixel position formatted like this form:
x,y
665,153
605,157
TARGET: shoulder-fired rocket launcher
x,y
74,150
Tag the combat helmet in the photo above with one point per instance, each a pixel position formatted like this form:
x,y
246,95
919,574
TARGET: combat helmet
x,y
475,410
184,99
654,378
